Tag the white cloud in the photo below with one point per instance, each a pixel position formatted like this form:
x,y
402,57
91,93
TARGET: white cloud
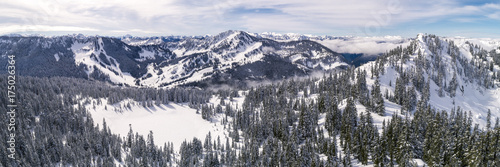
x,y
190,17
365,45
9,29
495,16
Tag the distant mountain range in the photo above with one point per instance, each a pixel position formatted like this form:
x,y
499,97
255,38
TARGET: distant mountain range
x,y
227,58
231,57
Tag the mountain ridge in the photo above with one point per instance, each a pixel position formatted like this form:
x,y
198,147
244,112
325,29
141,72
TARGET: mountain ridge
x,y
170,63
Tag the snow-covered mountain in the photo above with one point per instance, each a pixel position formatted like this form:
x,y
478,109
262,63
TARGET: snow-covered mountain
x,y
229,57
360,49
461,75
414,105
425,59
430,73
136,41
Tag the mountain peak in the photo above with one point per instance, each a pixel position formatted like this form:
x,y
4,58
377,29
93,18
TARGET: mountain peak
x,y
230,57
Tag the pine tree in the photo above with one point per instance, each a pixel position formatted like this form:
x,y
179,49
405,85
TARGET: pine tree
x,y
404,150
333,116
399,91
307,122
130,137
377,99
349,123
363,140
439,82
411,97
151,147
426,94
453,85
494,154
380,153
488,120
362,88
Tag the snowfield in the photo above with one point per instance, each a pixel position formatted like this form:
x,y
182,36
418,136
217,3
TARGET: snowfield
x,y
170,123
89,55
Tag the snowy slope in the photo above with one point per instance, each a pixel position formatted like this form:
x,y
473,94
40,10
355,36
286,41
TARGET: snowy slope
x,y
177,122
478,96
198,59
169,122
475,98
169,61
92,56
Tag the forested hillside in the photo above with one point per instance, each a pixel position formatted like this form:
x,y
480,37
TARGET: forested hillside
x,y
54,129
433,102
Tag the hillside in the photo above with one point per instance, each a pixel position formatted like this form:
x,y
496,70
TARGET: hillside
x,y
431,102
417,70
232,58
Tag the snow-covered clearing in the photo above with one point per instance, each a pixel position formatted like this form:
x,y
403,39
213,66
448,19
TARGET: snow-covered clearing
x,y
169,122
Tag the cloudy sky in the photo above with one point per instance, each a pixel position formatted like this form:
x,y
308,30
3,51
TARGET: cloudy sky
x,y
469,18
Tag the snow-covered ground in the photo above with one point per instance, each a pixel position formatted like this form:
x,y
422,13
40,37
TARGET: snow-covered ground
x,y
89,55
169,122
474,98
